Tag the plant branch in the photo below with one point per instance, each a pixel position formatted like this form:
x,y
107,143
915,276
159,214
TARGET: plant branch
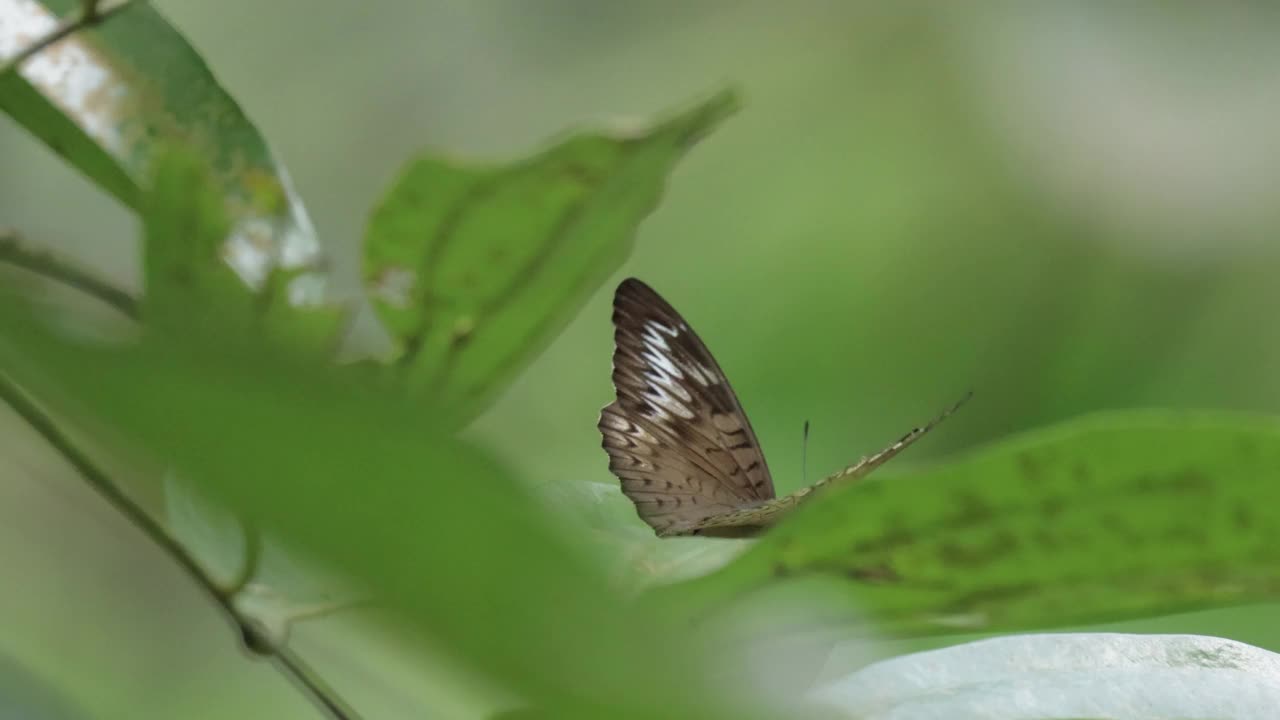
x,y
46,265
92,12
299,672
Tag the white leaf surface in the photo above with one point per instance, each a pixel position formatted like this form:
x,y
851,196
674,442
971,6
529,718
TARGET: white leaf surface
x,y
1095,675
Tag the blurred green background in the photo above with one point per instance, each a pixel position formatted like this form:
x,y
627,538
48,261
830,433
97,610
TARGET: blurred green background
x,y
1063,207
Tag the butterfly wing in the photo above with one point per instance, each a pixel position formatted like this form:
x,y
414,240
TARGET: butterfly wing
x,y
676,435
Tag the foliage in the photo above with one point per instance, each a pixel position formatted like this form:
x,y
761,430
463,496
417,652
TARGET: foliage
x,y
473,269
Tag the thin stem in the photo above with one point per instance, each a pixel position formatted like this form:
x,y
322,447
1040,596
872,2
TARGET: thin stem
x,y
320,692
92,12
46,265
288,662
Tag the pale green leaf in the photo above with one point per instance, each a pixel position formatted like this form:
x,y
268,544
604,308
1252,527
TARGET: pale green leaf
x,y
475,268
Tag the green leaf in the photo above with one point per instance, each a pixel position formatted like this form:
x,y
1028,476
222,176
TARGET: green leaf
x,y
475,269
372,485
319,328
1103,518
110,98
42,118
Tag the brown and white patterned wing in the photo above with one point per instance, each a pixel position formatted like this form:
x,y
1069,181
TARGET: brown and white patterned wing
x,y
676,435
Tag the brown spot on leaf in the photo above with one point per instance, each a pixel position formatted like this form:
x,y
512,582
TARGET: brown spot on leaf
x,y
970,510
1116,525
977,555
1188,480
1030,469
881,574
895,536
1081,474
1052,506
1191,480
1185,534
986,596
1243,517
1047,539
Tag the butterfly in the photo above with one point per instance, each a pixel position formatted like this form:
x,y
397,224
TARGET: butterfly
x,y
679,440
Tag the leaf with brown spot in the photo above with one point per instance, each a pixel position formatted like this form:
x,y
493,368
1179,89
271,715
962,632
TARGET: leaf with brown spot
x,y
1179,512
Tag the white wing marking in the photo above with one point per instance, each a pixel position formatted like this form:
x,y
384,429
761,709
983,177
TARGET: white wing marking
x,y
661,361
652,335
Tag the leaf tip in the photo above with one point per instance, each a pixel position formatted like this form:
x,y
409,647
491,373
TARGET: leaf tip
x,y
705,116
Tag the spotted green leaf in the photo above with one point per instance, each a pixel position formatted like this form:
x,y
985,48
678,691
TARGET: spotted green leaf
x,y
474,268
1103,518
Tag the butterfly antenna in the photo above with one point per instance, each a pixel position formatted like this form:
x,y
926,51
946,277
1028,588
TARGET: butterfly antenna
x,y
804,455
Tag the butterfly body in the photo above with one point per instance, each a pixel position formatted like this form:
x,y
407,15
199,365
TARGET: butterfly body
x,y
677,437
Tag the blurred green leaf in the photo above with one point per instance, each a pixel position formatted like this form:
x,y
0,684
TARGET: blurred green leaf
x,y
375,487
184,225
475,269
188,286
24,694
319,328
107,99
1102,518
